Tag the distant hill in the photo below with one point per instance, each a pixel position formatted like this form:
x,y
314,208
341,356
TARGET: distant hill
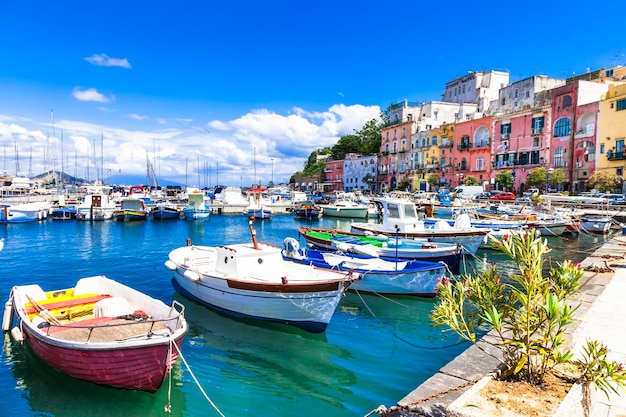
x,y
48,177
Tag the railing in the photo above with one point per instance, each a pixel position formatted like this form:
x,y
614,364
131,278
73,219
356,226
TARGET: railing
x,y
615,156
536,131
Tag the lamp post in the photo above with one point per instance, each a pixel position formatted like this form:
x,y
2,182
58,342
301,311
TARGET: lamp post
x,y
272,159
549,172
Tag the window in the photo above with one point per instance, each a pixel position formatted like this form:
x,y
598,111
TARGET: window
x,y
434,140
535,142
619,148
527,95
515,93
567,102
505,130
621,105
557,159
537,125
480,163
562,127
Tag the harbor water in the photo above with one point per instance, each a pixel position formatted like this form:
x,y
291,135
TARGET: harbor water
x,y
375,350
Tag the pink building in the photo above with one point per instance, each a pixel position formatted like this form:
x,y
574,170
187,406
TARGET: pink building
x,y
471,153
521,143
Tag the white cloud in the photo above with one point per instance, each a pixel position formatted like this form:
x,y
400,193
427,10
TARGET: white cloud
x,y
91,94
103,60
138,116
227,147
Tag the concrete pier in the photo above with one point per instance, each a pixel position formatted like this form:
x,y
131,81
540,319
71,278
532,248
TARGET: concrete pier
x,y
601,316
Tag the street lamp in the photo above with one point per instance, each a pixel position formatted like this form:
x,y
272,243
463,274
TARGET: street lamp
x,y
548,173
272,159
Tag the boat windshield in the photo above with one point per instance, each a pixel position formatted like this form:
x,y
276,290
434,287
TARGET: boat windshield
x,y
410,212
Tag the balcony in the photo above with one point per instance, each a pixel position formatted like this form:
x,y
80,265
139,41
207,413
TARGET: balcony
x,y
615,156
481,144
505,136
536,131
463,146
446,144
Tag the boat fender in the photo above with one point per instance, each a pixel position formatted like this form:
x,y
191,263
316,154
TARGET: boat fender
x,y
191,275
7,319
17,334
171,265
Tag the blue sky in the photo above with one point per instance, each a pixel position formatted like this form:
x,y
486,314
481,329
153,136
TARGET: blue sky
x,y
204,88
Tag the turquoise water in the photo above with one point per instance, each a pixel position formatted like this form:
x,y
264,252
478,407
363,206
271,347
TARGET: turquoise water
x,y
375,350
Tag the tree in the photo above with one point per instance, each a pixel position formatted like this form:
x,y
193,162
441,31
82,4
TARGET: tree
x,y
346,144
505,180
603,181
471,181
537,178
433,179
403,184
371,136
557,177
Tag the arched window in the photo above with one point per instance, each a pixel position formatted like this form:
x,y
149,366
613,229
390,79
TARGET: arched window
x,y
567,102
562,127
481,137
557,159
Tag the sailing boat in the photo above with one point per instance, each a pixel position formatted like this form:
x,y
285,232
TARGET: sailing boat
x,y
257,209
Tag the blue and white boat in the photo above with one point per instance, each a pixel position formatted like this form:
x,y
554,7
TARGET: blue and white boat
x,y
596,225
376,275
400,219
197,208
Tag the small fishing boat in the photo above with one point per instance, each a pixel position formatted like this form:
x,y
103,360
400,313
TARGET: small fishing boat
x,y
252,280
400,219
165,211
345,209
197,208
132,209
596,225
380,276
382,246
97,206
307,210
258,208
99,331
25,212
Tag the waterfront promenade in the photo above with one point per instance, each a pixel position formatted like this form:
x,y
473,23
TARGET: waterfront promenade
x,y
601,316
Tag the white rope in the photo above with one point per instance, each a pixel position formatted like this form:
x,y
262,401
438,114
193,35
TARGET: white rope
x,y
196,381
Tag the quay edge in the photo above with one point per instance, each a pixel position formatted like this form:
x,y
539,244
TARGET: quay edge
x,y
434,396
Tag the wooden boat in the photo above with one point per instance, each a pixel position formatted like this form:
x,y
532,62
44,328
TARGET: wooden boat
x,y
252,280
400,219
196,208
596,225
99,331
383,246
380,276
132,209
307,210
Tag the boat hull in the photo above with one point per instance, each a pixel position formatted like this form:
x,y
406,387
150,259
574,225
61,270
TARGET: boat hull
x,y
165,213
345,212
115,368
90,334
297,295
596,226
415,278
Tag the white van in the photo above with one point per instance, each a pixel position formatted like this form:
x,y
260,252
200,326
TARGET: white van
x,y
468,191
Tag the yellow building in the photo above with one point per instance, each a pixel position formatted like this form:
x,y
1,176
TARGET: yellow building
x,y
611,151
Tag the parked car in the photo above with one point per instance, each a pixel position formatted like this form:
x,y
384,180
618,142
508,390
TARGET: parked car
x,y
503,196
485,195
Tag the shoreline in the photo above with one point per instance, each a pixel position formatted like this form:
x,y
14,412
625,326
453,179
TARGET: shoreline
x,y
431,398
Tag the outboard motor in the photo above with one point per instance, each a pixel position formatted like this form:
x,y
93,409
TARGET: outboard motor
x,y
291,247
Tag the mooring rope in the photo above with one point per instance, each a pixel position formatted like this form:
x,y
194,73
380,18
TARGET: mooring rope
x,y
401,338
197,382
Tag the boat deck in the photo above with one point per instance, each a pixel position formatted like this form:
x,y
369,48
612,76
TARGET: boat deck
x,y
105,329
